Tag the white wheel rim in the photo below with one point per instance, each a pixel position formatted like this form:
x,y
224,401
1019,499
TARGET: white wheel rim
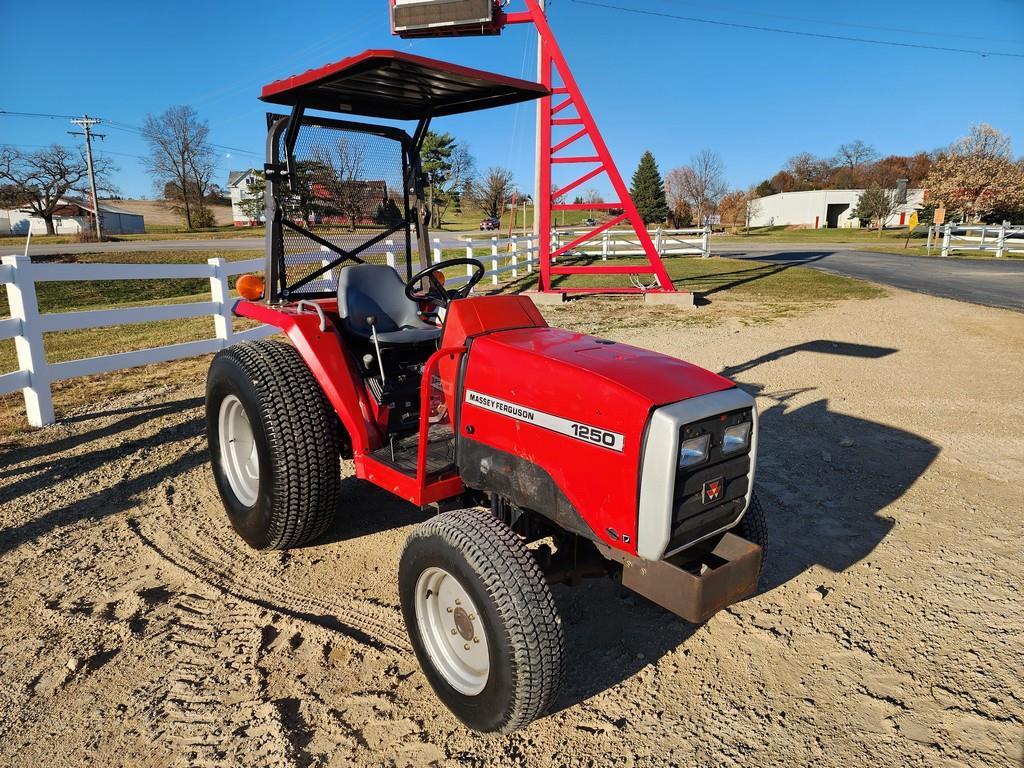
x,y
238,451
452,631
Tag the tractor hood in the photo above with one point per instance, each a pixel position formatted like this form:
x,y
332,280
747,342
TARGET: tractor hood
x,y
650,376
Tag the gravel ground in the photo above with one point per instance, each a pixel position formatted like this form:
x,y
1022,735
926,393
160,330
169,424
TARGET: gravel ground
x,y
138,630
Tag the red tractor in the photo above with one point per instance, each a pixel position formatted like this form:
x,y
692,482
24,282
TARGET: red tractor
x,y
540,454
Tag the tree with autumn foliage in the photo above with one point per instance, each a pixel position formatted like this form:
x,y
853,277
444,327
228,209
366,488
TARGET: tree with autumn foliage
x,y
978,178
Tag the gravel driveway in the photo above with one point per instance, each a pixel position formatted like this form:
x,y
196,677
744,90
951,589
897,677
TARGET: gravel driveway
x,y
138,630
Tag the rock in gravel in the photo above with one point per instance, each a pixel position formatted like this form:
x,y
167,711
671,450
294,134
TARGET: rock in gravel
x,y
74,663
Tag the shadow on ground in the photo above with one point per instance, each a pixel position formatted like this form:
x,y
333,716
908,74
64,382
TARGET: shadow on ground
x,y
35,467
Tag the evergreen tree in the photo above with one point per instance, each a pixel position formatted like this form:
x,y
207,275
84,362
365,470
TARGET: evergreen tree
x,y
648,191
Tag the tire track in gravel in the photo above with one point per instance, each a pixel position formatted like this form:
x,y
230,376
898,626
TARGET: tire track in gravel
x,y
236,573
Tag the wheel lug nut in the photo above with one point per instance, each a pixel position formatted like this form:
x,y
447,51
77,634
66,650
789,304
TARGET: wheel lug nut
x,y
467,646
472,617
454,630
458,602
449,609
476,639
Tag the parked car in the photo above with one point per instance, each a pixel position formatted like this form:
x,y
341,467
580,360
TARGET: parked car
x,y
491,222
590,222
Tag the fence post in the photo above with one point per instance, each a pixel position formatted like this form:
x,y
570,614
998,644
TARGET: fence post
x,y
657,241
1001,242
604,245
705,244
529,255
389,255
494,261
928,242
515,257
945,240
220,292
21,297
469,255
436,252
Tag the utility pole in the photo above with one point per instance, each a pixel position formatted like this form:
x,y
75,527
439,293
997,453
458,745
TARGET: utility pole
x,y
87,122
541,117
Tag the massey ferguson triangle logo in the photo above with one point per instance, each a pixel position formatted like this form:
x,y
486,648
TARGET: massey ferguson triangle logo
x,y
712,490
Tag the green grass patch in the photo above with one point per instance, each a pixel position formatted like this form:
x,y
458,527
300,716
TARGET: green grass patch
x,y
788,235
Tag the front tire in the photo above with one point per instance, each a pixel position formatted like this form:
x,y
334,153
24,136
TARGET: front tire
x,y
274,444
754,528
482,620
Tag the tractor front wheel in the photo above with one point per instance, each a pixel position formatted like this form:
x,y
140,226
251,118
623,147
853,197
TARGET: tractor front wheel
x,y
274,443
481,619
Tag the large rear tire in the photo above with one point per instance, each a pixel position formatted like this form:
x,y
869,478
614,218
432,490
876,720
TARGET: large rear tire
x,y
274,443
482,620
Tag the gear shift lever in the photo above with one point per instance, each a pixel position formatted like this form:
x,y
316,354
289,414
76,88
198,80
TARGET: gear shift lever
x,y
371,320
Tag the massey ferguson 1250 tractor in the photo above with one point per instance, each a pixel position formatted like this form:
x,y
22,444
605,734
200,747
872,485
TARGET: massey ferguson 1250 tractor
x,y
538,455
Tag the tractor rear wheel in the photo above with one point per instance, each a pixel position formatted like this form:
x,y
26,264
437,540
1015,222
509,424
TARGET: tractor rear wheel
x,y
274,444
481,619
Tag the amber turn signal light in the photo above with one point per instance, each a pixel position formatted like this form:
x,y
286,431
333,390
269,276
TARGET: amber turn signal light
x,y
440,277
250,287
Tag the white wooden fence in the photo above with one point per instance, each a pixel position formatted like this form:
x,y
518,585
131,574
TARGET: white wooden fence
x,y
624,242
507,258
26,325
1000,239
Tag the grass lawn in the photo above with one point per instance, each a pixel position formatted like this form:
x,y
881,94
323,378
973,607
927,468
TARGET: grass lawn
x,y
731,289
810,236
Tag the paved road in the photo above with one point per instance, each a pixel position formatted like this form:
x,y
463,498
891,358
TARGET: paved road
x,y
992,282
996,283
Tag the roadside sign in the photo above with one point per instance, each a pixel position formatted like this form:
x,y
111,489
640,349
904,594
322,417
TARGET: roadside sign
x,y
939,217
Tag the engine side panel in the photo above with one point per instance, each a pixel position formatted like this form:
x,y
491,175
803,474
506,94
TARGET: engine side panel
x,y
583,431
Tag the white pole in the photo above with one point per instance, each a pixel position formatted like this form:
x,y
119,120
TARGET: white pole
x,y
469,255
657,240
1001,242
21,298
537,191
221,295
529,254
604,245
436,252
515,257
389,255
494,261
705,244
945,240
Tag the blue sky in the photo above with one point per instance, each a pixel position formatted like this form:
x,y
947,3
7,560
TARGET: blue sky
x,y
652,82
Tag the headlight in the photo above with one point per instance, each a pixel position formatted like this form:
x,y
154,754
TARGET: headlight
x,y
736,437
693,451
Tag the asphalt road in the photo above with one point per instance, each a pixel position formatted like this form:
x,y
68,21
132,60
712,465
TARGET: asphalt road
x,y
991,282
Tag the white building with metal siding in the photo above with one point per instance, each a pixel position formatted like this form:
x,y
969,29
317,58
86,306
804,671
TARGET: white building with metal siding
x,y
72,217
822,208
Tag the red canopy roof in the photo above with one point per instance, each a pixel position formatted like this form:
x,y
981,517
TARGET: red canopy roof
x,y
399,86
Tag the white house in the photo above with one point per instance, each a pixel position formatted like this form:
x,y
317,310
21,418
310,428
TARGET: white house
x,y
823,208
240,184
72,217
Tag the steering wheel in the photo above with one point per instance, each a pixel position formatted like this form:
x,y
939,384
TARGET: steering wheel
x,y
438,294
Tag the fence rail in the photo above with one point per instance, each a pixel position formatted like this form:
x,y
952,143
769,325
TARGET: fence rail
x,y
1001,239
507,258
27,324
624,242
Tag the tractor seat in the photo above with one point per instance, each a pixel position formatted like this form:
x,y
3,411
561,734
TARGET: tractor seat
x,y
366,290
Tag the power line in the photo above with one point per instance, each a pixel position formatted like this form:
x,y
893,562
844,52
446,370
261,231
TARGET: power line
x,y
779,30
848,24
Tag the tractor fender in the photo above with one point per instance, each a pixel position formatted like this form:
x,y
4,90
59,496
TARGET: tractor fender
x,y
322,350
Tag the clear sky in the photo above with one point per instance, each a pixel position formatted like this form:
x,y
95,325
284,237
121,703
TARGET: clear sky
x,y
654,82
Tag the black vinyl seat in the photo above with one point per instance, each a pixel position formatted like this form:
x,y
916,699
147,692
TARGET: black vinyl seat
x,y
366,290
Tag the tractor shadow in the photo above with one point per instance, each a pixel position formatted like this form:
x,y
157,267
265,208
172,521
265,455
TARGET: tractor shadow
x,y
825,480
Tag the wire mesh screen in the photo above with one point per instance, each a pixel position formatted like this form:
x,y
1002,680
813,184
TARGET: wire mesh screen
x,y
347,188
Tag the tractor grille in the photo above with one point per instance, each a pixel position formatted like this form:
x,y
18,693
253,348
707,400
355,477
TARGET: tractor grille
x,y
347,189
692,518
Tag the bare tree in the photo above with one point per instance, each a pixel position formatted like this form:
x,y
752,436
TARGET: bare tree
x,y
809,172
180,155
701,184
850,162
39,181
491,192
591,197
